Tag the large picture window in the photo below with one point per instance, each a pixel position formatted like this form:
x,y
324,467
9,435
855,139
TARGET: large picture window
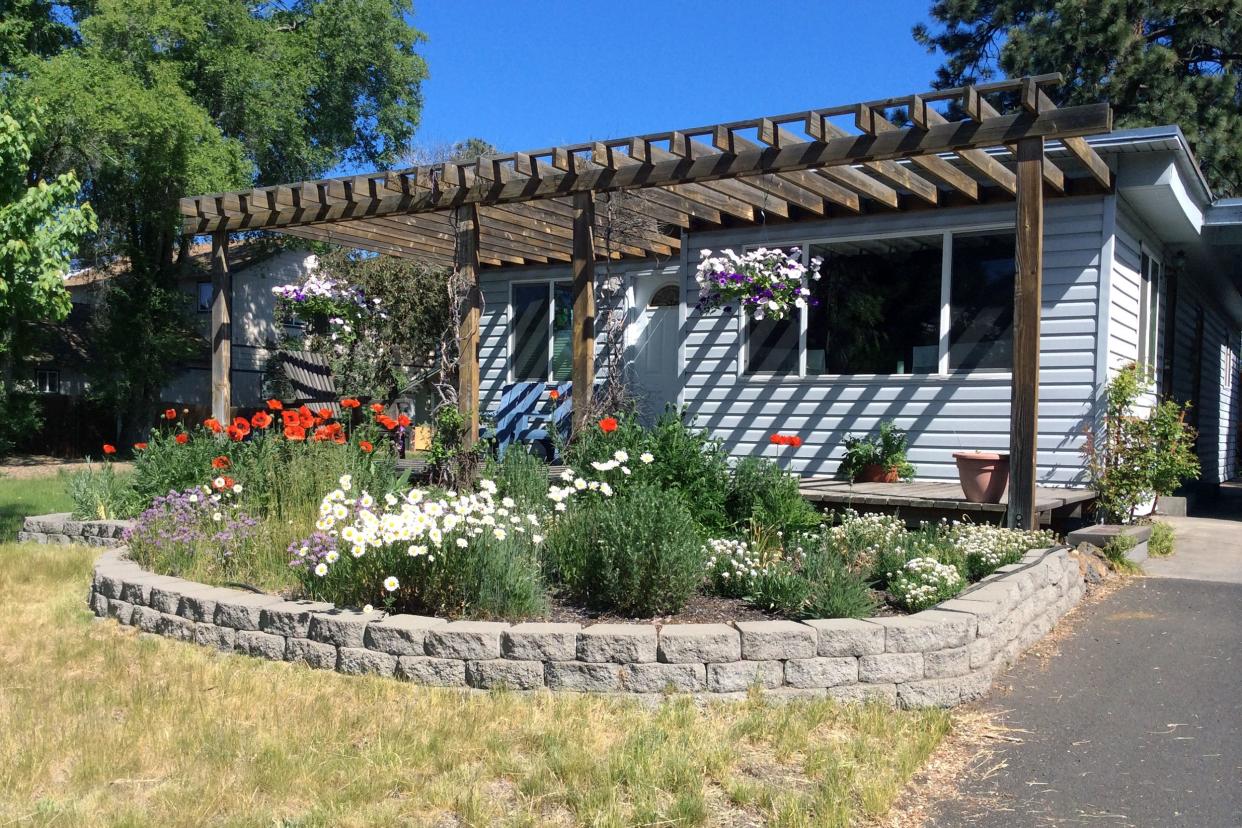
x,y
918,304
541,330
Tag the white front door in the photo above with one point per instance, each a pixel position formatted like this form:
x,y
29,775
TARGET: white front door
x,y
655,357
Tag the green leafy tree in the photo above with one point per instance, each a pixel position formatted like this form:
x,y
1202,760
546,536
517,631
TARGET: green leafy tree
x,y
1154,61
41,224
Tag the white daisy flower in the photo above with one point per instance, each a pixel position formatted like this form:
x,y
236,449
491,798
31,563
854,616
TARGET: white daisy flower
x,y
391,583
321,570
647,457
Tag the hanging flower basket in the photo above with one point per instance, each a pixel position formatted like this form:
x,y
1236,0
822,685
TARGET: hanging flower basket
x,y
762,283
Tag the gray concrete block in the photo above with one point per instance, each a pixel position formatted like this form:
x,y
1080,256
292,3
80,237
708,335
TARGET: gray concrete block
x,y
145,618
821,671
59,539
699,643
986,613
947,663
434,672
938,692
200,604
618,643
221,638
505,672
979,652
46,523
99,604
261,644
847,636
342,627
291,618
767,640
739,676
577,675
242,610
400,634
359,661
31,537
783,695
174,626
538,641
312,653
122,611
927,630
864,693
890,668
467,640
661,677
110,581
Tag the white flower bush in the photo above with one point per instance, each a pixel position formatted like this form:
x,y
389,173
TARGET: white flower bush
x,y
732,566
924,582
761,283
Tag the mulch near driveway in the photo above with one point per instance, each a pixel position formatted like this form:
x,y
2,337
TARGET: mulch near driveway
x,y
1130,718
24,467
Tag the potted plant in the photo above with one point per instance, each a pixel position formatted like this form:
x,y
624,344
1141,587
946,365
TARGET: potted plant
x,y
763,283
878,458
984,475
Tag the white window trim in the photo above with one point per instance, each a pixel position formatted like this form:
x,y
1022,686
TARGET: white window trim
x,y
946,316
551,282
1151,282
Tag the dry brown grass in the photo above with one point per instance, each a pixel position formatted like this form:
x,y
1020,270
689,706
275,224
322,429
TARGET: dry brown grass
x,y
100,726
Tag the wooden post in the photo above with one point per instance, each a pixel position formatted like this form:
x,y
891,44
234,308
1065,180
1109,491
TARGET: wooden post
x,y
583,373
221,328
1027,300
466,254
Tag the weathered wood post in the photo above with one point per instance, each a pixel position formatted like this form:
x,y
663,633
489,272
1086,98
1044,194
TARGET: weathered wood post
x,y
466,256
583,372
221,328
1028,286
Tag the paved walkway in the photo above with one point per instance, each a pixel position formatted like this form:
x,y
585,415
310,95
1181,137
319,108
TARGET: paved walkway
x,y
1137,720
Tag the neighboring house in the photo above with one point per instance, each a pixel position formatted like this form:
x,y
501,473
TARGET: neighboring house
x,y
1143,274
257,268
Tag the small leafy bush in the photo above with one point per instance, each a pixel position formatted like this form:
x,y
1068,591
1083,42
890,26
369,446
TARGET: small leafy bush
x,y
763,493
821,586
1160,544
636,553
924,582
887,449
733,565
520,476
99,493
1115,552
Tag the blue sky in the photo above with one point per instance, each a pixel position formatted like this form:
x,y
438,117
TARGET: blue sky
x,y
526,74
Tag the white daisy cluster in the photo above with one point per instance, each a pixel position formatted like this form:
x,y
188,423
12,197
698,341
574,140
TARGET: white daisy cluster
x,y
423,525
576,483
861,538
923,582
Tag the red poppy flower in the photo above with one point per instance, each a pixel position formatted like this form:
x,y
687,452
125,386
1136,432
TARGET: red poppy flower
x,y
234,434
554,394
403,421
378,408
325,413
221,462
261,419
366,446
289,418
386,421
608,425
776,439
108,448
350,402
339,439
213,424
295,432
170,414
305,418
140,446
275,405
242,425
795,441
182,438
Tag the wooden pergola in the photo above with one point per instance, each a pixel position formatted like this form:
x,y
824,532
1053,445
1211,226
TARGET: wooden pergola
x,y
540,207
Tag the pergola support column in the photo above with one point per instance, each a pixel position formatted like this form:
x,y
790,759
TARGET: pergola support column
x,y
221,328
583,373
1027,300
466,260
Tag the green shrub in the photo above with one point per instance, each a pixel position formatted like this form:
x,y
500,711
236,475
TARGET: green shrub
x,y
1160,544
99,493
1115,552
762,492
21,418
781,589
821,586
637,553
520,476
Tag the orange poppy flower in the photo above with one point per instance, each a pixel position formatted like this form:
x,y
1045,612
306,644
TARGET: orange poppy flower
x,y
242,425
554,395
305,418
213,424
108,448
350,402
386,421
234,434
403,421
378,408
182,438
261,419
295,432
221,462
275,405
140,446
170,414
324,413
289,418
366,446
608,425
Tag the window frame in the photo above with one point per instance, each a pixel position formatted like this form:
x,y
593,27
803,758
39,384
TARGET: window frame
x,y
510,333
199,295
1151,282
943,371
54,373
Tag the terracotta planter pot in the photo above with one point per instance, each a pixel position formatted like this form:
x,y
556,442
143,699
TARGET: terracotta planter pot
x,y
984,475
875,473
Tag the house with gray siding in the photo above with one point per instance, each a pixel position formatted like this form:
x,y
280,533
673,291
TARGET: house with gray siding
x,y
916,322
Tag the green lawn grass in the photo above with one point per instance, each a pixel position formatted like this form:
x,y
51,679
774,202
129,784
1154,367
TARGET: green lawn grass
x,y
20,497
101,726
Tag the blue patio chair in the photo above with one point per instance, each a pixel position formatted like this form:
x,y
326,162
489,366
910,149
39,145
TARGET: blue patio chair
x,y
511,415
561,419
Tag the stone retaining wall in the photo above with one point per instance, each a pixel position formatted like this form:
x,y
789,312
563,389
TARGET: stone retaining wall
x,y
61,528
938,657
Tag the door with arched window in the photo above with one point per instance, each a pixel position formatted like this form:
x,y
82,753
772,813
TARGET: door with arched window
x,y
655,352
